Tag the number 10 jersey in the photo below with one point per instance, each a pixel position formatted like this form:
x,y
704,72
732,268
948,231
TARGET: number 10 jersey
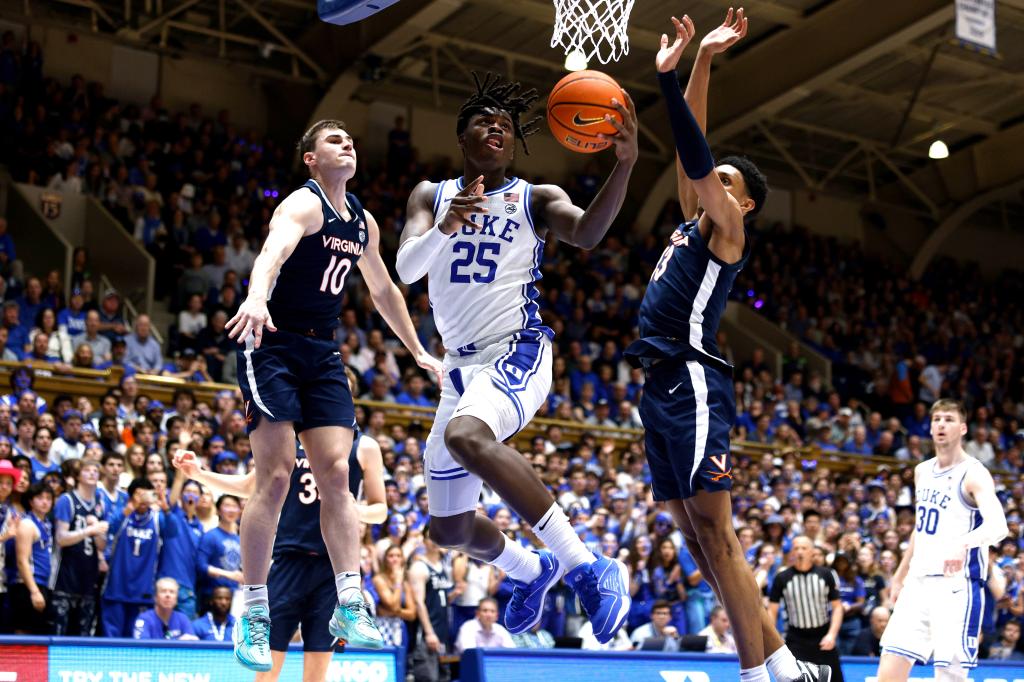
x,y
483,282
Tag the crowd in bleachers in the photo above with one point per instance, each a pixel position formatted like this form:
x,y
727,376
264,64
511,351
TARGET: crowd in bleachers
x,y
198,193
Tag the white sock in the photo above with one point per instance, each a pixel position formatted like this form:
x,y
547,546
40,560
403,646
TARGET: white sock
x,y
518,562
758,674
555,531
783,665
350,587
255,594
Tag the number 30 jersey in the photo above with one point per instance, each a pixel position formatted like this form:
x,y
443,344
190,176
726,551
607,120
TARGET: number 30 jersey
x,y
942,516
483,282
298,528
307,291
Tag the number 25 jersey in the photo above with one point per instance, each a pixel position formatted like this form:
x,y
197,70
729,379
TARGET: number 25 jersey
x,y
483,281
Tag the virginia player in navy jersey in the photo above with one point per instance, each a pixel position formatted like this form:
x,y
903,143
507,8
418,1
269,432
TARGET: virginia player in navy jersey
x,y
293,380
688,406
301,580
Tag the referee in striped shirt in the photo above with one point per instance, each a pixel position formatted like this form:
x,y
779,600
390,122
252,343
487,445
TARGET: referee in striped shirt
x,y
809,591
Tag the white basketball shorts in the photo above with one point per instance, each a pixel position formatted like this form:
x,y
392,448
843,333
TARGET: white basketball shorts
x,y
937,616
503,386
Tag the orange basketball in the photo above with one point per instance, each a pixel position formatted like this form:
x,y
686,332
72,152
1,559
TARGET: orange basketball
x,y
576,109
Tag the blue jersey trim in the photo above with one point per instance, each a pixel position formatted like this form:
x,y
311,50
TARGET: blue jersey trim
x,y
446,471
437,195
464,474
527,196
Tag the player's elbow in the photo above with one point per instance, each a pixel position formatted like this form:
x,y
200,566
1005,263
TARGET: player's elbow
x,y
403,266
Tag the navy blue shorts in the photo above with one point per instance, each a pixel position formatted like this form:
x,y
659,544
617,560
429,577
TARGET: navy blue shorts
x,y
295,378
302,592
687,410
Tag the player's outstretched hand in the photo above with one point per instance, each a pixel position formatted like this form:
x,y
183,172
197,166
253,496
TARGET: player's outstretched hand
x,y
432,365
626,146
186,462
668,56
252,316
827,643
722,38
462,205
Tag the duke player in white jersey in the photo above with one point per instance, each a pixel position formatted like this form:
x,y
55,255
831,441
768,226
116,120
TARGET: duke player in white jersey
x,y
939,585
480,238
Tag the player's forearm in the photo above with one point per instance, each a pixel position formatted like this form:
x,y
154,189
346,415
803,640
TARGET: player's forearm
x,y
372,513
993,525
67,538
691,145
391,305
416,254
904,568
231,484
593,225
696,95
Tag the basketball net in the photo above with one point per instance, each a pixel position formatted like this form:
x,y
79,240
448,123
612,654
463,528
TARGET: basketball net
x,y
592,28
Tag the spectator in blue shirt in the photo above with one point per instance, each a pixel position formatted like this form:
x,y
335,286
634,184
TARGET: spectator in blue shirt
x,y
859,442
919,423
142,350
31,302
17,333
71,320
118,354
112,323
42,463
220,554
163,621
217,624
179,556
853,595
413,393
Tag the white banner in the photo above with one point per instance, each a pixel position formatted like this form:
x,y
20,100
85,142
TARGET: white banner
x,y
976,23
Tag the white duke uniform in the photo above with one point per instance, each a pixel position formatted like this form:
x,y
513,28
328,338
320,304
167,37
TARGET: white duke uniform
x,y
498,361
936,614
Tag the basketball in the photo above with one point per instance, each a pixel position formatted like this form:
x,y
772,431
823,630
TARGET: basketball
x,y
576,109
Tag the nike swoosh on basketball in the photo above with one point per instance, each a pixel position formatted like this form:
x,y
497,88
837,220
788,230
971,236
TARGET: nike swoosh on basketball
x,y
578,120
673,390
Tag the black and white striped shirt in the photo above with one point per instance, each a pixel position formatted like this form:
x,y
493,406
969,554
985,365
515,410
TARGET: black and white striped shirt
x,y
807,595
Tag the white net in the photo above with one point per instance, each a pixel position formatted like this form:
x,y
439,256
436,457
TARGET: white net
x,y
592,28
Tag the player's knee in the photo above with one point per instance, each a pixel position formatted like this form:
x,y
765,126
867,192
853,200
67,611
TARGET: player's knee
x,y
449,531
275,482
334,475
463,442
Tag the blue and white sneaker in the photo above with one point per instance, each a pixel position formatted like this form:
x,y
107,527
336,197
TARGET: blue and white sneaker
x,y
527,604
353,625
603,589
251,636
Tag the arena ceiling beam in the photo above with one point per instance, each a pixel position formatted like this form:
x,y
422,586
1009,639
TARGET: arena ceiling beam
x,y
389,46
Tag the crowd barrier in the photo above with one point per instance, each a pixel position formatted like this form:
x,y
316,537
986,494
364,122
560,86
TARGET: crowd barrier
x,y
565,665
93,659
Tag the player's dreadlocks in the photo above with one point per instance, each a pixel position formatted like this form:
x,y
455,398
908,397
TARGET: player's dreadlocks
x,y
495,93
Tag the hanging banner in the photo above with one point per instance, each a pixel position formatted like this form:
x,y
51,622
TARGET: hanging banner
x,y
976,24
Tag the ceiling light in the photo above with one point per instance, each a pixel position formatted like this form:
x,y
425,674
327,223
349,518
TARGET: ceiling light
x,y
575,61
938,150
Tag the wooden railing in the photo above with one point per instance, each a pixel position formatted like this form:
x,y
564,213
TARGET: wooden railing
x,y
51,381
